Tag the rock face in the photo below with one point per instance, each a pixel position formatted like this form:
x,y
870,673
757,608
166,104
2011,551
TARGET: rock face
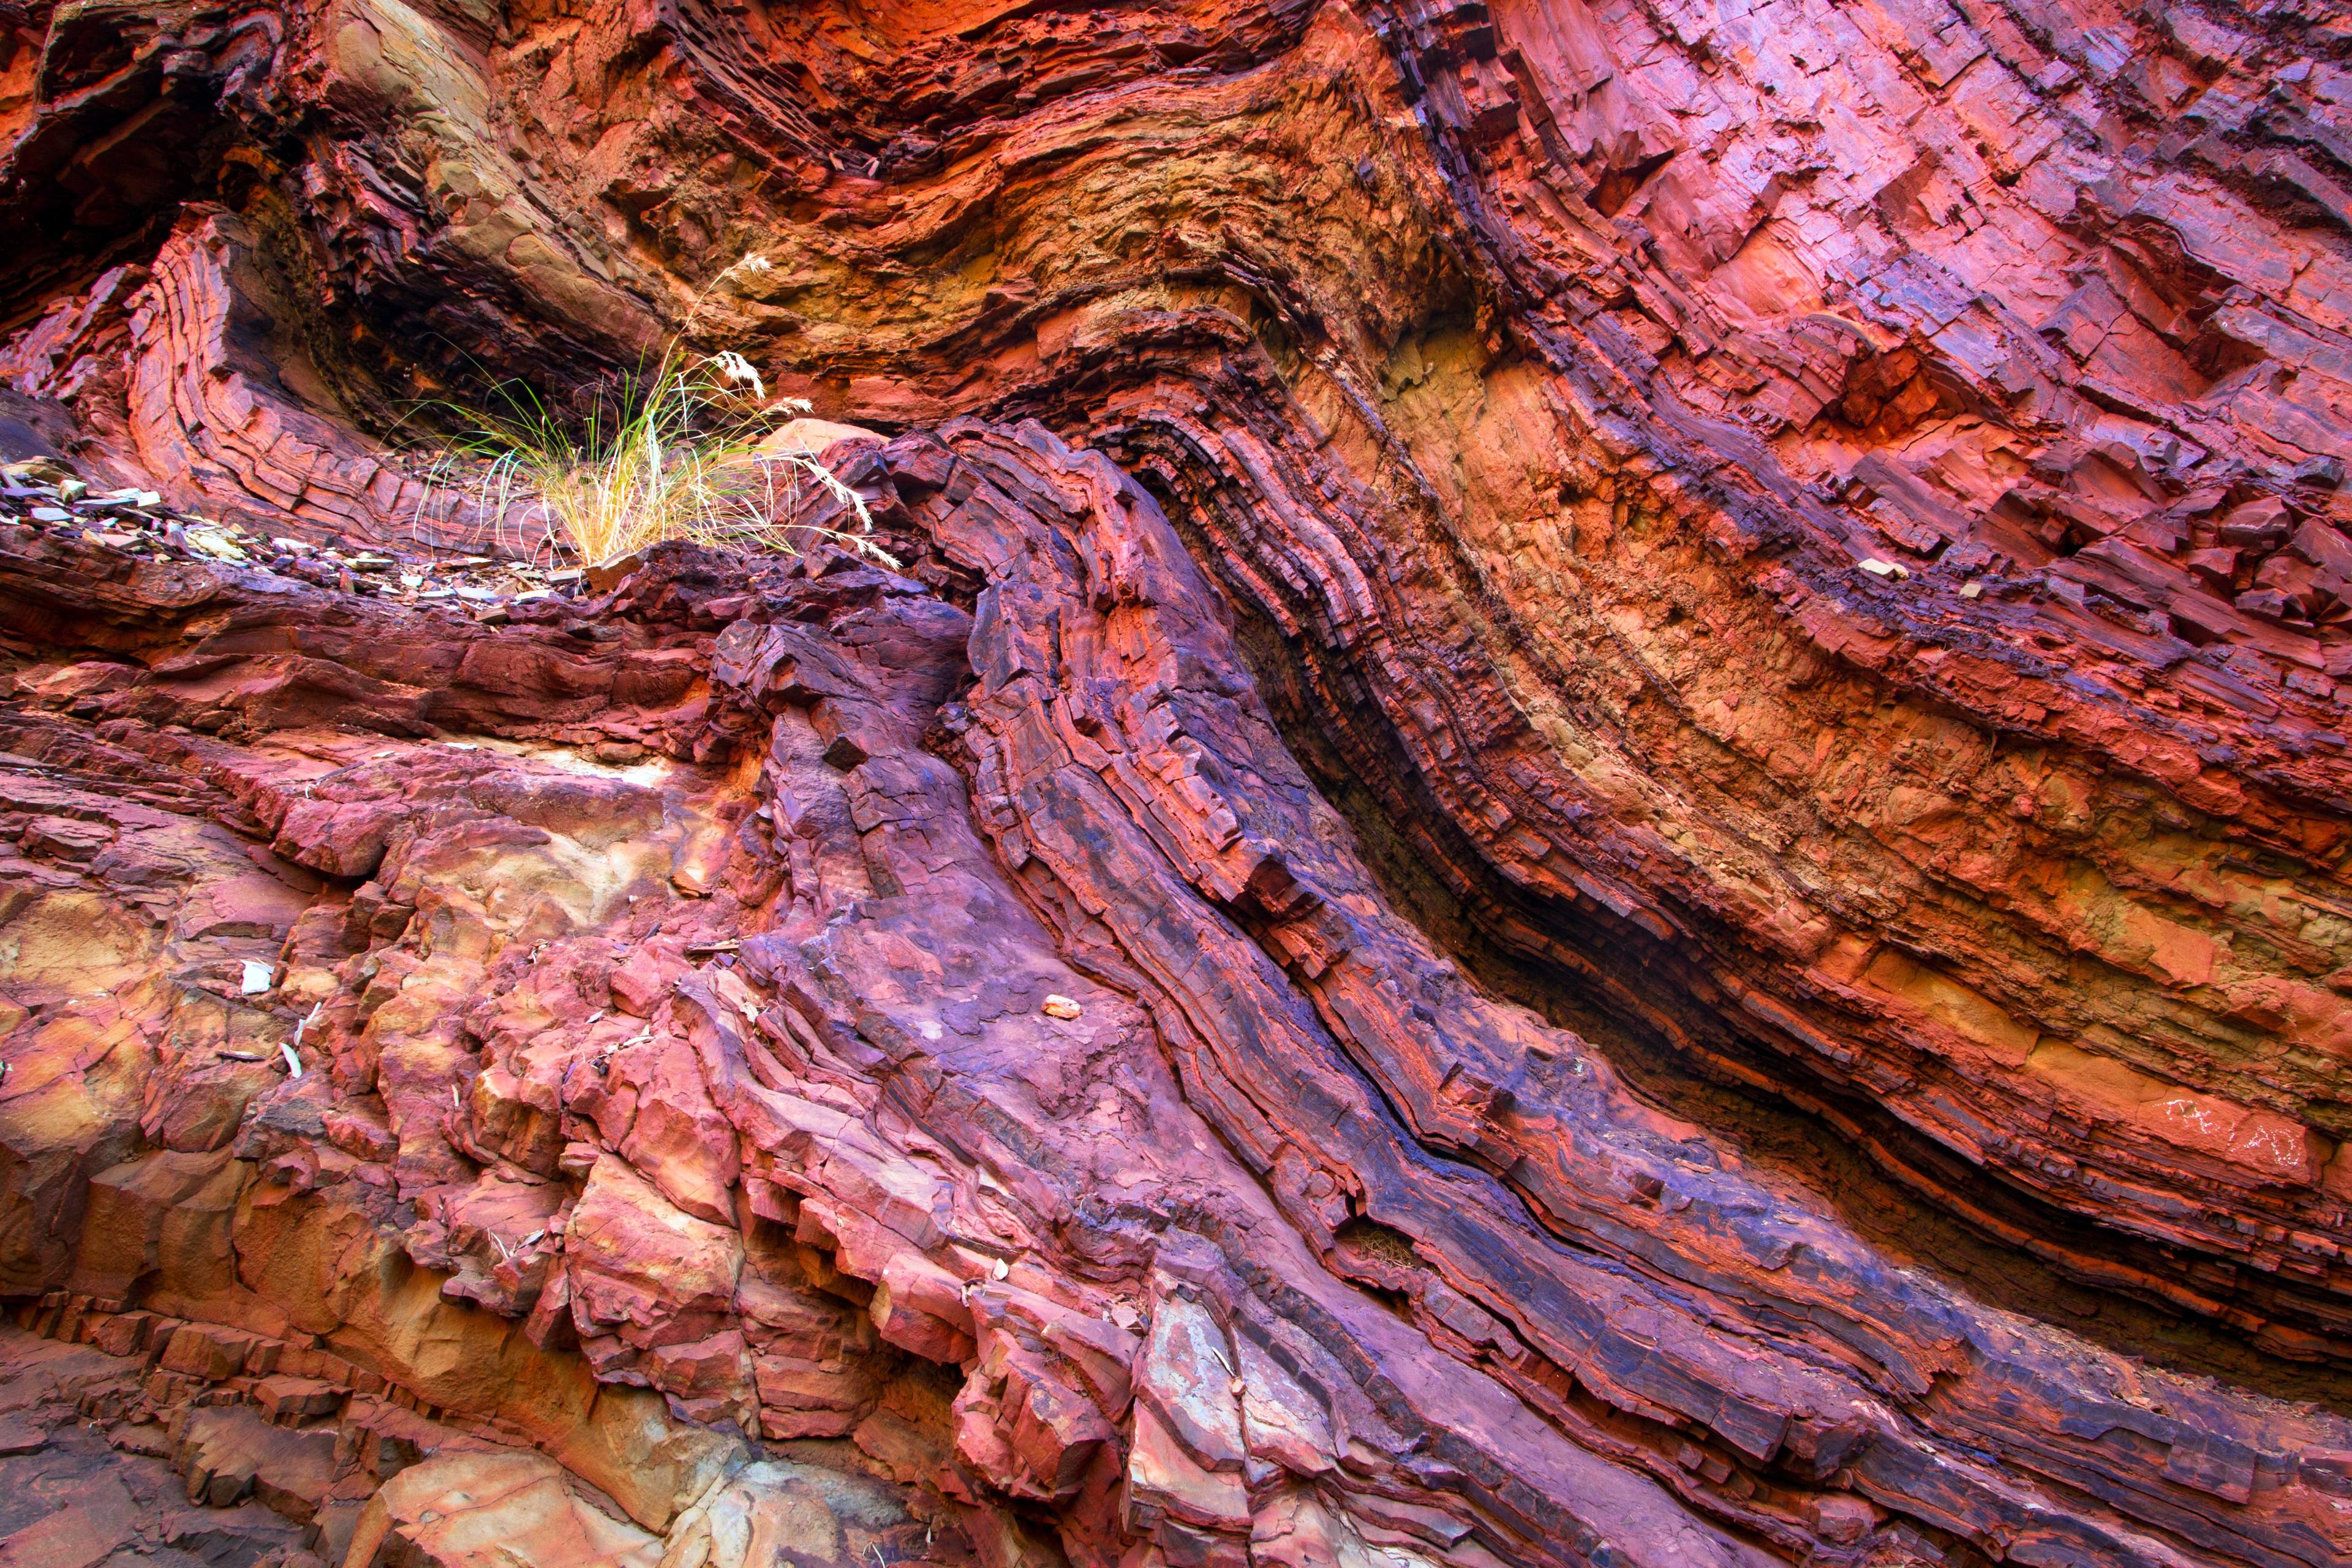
x,y
1599,815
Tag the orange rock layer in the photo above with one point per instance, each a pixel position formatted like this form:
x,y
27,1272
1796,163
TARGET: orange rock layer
x,y
1656,689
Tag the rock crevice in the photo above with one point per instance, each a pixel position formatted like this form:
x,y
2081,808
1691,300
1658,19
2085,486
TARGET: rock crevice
x,y
1807,543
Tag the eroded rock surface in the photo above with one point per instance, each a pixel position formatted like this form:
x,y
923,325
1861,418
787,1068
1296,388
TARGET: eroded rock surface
x,y
1599,817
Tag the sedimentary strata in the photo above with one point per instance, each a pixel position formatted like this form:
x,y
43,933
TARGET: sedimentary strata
x,y
1597,815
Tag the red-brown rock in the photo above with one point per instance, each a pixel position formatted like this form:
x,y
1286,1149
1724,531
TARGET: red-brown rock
x,y
1656,690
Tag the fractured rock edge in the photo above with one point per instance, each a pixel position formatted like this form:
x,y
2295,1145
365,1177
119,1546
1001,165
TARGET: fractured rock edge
x,y
657,1107
1866,613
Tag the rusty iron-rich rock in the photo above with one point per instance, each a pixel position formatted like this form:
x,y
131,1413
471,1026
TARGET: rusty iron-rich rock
x,y
1585,802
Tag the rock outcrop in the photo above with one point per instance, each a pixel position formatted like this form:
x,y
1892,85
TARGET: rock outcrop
x,y
1598,815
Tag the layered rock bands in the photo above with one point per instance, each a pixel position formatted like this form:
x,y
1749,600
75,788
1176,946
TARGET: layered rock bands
x,y
1599,815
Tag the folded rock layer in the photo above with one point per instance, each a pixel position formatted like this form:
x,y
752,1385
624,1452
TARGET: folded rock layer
x,y
1585,802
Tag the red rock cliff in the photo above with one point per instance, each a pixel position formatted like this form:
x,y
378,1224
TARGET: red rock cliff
x,y
1601,816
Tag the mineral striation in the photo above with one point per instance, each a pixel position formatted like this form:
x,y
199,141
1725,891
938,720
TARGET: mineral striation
x,y
1584,802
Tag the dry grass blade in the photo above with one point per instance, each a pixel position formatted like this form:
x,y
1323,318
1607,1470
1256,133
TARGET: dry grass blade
x,y
674,455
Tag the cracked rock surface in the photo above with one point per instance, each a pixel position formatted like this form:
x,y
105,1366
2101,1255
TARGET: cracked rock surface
x,y
1598,816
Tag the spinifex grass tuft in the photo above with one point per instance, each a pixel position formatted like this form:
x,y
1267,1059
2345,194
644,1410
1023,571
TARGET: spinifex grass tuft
x,y
675,454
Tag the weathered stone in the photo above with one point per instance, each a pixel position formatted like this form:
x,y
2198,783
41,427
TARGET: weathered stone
x,y
460,1511
1806,543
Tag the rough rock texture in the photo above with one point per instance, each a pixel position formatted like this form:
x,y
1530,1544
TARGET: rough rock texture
x,y
1602,819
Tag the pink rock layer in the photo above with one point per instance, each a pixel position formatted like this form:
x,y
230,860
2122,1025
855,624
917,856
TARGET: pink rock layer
x,y
1662,683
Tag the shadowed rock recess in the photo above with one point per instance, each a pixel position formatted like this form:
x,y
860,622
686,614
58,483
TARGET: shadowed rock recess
x,y
1600,813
